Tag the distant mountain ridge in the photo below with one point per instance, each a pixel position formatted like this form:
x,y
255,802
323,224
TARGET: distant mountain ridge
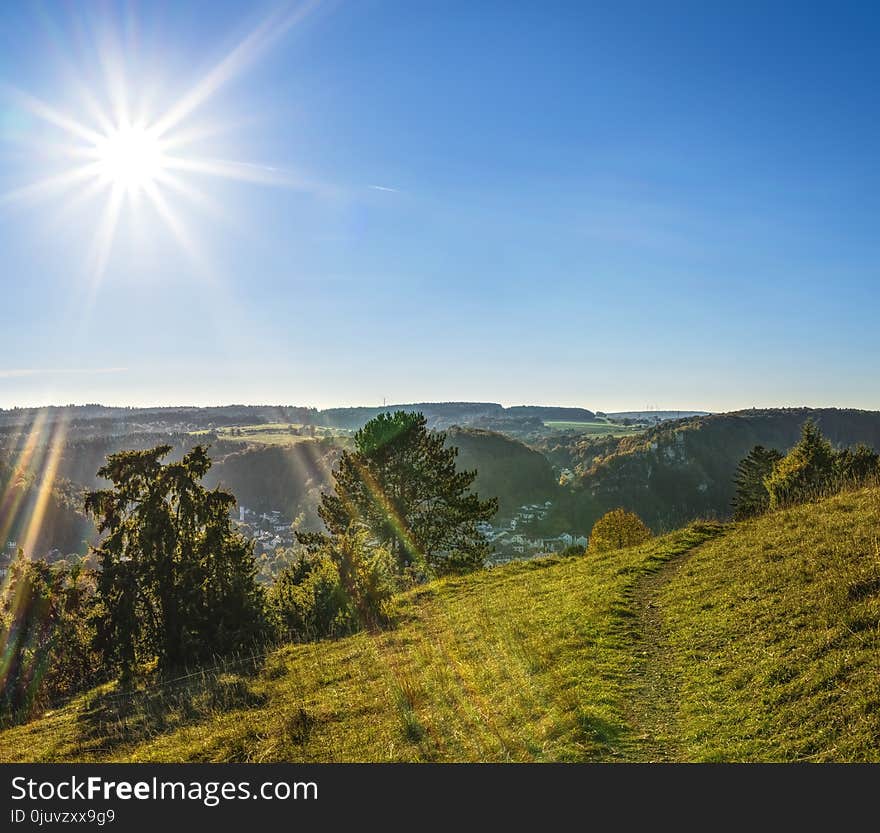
x,y
440,415
446,414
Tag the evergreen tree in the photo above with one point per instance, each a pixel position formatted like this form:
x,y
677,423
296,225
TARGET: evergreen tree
x,y
752,497
176,581
855,466
806,472
400,484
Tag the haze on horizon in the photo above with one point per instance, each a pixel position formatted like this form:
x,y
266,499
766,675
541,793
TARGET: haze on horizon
x,y
606,206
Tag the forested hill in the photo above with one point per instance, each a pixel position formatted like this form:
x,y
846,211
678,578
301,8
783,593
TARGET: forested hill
x,y
442,415
506,469
41,516
683,470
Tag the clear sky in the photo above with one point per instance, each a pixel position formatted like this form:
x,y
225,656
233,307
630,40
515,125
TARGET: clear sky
x,y
609,205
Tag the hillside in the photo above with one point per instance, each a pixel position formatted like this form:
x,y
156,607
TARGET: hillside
x,y
506,469
755,641
685,469
40,517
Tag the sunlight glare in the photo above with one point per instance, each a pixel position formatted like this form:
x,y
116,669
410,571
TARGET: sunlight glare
x,y
130,157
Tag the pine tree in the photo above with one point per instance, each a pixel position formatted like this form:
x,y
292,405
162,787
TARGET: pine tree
x,y
806,472
752,497
401,485
176,581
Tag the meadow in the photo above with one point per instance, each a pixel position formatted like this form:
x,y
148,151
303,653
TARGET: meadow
x,y
749,641
594,429
272,433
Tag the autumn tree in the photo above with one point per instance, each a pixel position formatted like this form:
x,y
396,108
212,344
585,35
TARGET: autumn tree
x,y
400,484
176,581
616,529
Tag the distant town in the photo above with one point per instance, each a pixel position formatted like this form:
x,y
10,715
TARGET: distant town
x,y
272,531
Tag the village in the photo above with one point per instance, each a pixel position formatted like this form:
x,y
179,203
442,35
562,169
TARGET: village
x,y
269,531
509,541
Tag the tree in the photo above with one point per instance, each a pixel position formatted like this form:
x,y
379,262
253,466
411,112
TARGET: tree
x,y
341,587
176,581
400,484
855,466
752,497
617,529
45,634
806,471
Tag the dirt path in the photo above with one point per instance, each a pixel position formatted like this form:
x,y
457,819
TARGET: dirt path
x,y
653,700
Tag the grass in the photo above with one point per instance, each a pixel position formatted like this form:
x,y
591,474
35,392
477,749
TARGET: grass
x,y
773,633
517,663
594,429
753,641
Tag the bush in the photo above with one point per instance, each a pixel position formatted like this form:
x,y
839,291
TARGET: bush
x,y
617,529
46,636
342,587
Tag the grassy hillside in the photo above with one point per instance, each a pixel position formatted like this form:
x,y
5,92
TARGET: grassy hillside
x,y
774,634
752,641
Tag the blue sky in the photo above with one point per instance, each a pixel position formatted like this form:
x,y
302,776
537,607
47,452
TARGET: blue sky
x,y
609,205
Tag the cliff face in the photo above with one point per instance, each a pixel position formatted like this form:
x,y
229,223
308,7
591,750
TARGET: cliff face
x,y
685,469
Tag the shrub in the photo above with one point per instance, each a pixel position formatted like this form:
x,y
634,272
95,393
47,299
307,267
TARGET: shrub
x,y
46,636
616,529
343,586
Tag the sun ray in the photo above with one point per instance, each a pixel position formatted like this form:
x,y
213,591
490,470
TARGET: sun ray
x,y
241,171
245,53
195,196
48,114
176,226
105,153
48,184
46,486
12,495
104,236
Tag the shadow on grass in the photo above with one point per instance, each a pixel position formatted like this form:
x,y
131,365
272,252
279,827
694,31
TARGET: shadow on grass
x,y
120,718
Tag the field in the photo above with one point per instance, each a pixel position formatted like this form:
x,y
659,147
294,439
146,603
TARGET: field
x,y
752,641
273,433
595,429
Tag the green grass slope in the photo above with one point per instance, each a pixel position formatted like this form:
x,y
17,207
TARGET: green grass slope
x,y
523,662
756,641
772,634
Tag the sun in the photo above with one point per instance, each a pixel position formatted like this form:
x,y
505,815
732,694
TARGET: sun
x,y
128,150
130,157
